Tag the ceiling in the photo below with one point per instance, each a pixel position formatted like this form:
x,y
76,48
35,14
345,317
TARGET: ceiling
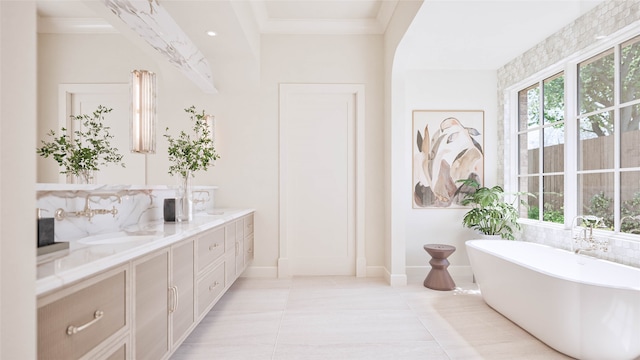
x,y
480,34
446,34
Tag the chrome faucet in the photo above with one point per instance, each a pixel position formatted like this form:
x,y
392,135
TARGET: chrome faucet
x,y
88,212
202,199
585,235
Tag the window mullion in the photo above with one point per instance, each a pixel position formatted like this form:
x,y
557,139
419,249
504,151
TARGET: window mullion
x,y
511,149
541,150
617,139
571,143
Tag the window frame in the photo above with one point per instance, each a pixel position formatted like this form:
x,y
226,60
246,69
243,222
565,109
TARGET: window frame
x,y
569,67
540,129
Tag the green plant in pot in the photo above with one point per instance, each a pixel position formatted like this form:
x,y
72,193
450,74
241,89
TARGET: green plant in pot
x,y
189,153
87,150
489,213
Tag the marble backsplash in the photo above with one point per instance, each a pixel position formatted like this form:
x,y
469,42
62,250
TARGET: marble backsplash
x,y
621,250
134,205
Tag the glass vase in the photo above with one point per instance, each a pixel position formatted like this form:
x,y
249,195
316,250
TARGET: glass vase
x,y
83,177
184,198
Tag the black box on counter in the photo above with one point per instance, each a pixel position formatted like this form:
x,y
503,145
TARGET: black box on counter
x,y
45,231
169,210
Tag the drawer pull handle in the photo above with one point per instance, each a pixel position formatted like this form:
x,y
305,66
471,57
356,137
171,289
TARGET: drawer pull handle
x,y
71,330
174,298
177,302
211,247
250,251
213,286
170,299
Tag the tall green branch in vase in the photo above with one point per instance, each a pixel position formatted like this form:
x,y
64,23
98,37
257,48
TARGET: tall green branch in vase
x,y
87,150
192,152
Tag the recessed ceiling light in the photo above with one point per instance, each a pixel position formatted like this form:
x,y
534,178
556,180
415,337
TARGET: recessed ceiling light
x,y
211,33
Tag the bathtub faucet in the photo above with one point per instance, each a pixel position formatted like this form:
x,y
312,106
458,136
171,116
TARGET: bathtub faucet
x,y
584,240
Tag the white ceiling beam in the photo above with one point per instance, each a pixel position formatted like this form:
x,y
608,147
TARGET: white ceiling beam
x,y
50,25
154,24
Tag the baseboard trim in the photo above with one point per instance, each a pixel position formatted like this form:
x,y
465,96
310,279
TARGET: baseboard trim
x,y
260,272
272,272
375,271
413,273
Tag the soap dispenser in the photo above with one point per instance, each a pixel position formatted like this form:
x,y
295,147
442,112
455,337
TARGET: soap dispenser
x,y
45,229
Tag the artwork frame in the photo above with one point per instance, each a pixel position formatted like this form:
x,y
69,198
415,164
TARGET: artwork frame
x,y
447,146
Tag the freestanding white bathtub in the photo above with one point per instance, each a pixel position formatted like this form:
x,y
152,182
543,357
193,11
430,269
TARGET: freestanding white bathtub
x,y
581,306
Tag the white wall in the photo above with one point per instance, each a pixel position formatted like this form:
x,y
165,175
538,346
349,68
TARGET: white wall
x,y
320,59
444,90
246,116
17,184
394,244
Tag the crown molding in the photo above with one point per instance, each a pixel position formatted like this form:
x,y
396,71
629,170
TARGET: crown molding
x,y
362,26
323,27
385,13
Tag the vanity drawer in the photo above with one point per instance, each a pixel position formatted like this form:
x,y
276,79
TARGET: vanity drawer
x,y
119,354
210,247
71,326
210,286
248,225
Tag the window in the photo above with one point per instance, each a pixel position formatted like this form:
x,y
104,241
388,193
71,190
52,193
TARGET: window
x,y
541,168
596,141
602,138
629,111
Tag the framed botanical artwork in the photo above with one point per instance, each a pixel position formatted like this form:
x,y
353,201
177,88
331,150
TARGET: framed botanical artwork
x,y
448,146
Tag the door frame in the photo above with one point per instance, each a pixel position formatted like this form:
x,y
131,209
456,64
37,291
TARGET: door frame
x,y
357,90
65,110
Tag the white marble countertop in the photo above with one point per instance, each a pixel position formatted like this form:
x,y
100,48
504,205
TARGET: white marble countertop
x,y
84,260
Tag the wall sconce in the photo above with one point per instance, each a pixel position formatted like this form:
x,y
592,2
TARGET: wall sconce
x,y
143,112
210,122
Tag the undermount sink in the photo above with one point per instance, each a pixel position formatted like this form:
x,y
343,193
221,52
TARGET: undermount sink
x,y
116,238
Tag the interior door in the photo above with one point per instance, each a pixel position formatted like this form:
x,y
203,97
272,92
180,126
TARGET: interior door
x,y
318,170
84,99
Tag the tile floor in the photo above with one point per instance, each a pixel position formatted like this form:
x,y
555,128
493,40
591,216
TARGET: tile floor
x,y
308,318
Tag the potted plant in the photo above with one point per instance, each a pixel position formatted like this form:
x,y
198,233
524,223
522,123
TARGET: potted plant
x,y
89,148
490,214
190,153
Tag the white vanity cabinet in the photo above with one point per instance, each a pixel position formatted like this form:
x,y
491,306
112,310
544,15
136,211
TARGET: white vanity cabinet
x,y
151,300
230,256
144,308
248,239
86,320
211,280
164,300
239,243
181,291
240,237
